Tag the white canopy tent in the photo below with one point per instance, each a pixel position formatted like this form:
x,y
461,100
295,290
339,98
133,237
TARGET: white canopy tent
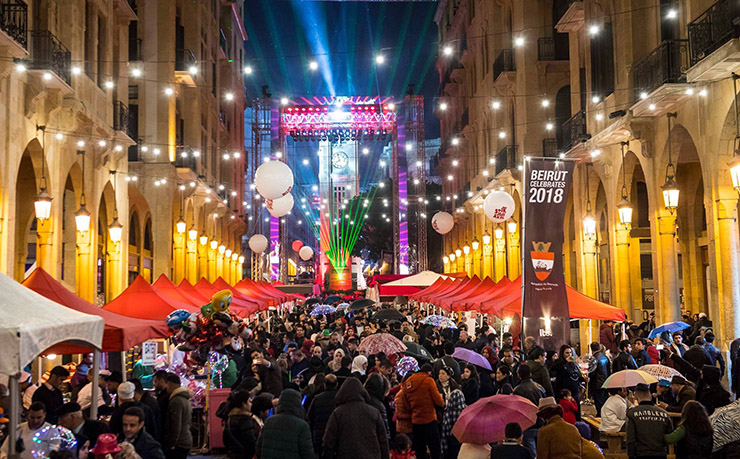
x,y
423,279
30,324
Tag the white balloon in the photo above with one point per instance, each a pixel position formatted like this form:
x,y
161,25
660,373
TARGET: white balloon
x,y
442,222
281,206
273,179
305,253
499,206
258,243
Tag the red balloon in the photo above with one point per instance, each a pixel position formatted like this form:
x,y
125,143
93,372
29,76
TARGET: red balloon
x,y
297,245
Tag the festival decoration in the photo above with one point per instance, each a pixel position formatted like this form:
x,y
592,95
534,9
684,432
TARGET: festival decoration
x,y
280,207
407,365
258,243
499,206
273,179
297,245
52,438
442,222
306,253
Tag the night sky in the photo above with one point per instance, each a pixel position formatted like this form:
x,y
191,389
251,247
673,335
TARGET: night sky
x,y
344,38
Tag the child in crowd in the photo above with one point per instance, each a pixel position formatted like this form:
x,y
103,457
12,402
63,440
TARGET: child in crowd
x,y
401,447
570,408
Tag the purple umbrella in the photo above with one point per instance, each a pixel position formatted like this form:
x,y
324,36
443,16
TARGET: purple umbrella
x,y
471,357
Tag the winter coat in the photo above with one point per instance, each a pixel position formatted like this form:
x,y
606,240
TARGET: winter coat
x,y
599,370
240,437
272,378
647,426
558,440
286,434
471,389
624,361
689,445
684,395
697,356
541,376
402,414
319,412
422,397
570,410
608,338
710,393
145,445
567,376
355,428
530,390
376,391
178,419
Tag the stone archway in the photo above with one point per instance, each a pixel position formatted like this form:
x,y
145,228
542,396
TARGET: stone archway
x,y
28,180
70,204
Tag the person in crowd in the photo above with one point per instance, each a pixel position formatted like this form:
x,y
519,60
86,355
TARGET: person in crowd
x,y
648,325
697,354
298,363
607,337
320,410
568,375
540,373
569,406
359,367
35,421
445,382
624,361
647,426
126,400
528,388
85,430
453,408
502,381
81,371
177,439
710,392
470,384
378,387
448,361
344,371
421,396
286,434
239,433
599,369
84,395
640,353
684,392
490,355
114,379
160,392
663,392
557,439
146,398
508,359
693,436
715,355
268,371
401,447
677,345
261,409
50,394
335,364
356,428
511,447
135,433
614,411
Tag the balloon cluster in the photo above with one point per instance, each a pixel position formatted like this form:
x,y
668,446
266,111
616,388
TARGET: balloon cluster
x,y
52,438
213,329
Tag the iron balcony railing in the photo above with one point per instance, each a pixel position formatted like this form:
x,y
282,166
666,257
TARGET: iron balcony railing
x,y
184,58
506,159
574,130
503,63
14,17
50,54
713,28
665,64
550,148
546,49
122,120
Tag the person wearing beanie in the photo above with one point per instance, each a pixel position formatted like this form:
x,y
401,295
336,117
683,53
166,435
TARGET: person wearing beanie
x,y
126,400
710,392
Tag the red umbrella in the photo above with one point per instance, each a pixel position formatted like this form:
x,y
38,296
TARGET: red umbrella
x,y
484,421
383,342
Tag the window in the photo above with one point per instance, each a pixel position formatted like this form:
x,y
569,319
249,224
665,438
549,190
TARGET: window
x,y
133,92
602,62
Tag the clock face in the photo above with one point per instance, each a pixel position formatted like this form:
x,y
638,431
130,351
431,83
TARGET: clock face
x,y
339,160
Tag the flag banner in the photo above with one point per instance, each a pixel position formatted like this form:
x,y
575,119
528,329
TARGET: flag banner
x,y
545,314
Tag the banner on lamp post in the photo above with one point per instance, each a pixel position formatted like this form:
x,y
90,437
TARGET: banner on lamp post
x,y
545,314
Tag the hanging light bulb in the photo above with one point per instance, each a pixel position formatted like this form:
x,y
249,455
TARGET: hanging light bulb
x,y
221,249
192,233
445,259
458,252
452,257
589,224
234,256
511,226
466,249
241,259
42,204
624,208
475,244
115,229
82,217
670,187
228,253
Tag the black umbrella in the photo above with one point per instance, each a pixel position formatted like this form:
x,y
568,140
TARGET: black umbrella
x,y
388,314
361,304
332,299
417,351
312,301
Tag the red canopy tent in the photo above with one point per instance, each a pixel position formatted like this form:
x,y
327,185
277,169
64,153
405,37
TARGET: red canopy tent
x,y
473,302
187,289
427,294
458,303
166,287
395,290
459,289
143,301
436,285
120,332
255,304
267,289
252,290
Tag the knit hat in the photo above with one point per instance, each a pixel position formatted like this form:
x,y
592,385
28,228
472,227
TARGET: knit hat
x,y
126,391
69,407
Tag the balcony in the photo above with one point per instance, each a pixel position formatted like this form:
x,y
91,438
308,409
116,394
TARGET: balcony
x,y
122,120
656,76
504,63
550,148
547,51
714,51
49,55
184,59
506,159
574,130
572,18
14,27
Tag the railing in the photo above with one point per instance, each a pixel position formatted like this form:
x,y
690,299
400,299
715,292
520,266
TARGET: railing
x,y
506,159
184,58
574,130
503,63
14,17
50,54
546,49
713,28
665,64
550,148
134,49
122,118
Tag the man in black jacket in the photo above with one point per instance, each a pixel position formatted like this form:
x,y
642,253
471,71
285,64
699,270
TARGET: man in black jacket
x,y
50,395
624,361
320,410
697,355
540,373
599,370
133,432
640,353
269,372
647,426
448,361
70,416
528,388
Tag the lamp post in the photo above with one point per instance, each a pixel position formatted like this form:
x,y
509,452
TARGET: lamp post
x,y
42,203
624,208
670,187
487,255
477,261
468,260
500,252
82,216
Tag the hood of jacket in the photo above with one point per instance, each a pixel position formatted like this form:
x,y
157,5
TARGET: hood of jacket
x,y
351,391
711,375
415,381
290,404
376,386
180,392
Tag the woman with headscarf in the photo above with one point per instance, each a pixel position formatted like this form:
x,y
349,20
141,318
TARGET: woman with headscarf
x,y
336,362
359,367
491,356
455,405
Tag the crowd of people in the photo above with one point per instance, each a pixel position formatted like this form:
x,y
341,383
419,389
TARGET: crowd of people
x,y
306,386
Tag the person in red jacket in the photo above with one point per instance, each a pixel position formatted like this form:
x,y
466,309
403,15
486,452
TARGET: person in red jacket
x,y
422,398
570,408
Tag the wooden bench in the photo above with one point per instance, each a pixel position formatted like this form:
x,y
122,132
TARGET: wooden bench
x,y
615,440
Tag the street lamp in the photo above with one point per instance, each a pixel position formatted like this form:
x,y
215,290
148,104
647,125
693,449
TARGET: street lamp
x,y
234,256
221,249
180,225
458,252
589,224
452,257
203,239
475,244
486,238
735,163
115,229
228,253
192,233
511,225
624,208
241,259
445,259
670,188
498,232
466,249
82,216
214,244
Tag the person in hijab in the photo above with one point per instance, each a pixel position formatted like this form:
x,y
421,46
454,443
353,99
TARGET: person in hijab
x,y
455,405
359,367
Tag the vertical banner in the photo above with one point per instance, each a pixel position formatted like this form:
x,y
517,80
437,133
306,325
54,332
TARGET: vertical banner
x,y
547,183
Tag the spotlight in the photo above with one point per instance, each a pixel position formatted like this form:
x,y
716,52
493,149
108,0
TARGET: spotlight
x,y
135,72
447,50
109,84
443,106
76,70
380,59
519,41
496,105
59,136
168,91
313,65
193,70
229,96
284,101
248,70
594,29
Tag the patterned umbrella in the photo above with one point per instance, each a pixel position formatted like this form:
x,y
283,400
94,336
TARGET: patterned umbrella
x,y
484,421
628,378
383,342
323,309
438,321
342,305
406,364
660,371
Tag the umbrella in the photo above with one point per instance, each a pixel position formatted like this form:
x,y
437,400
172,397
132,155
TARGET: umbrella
x,y
438,321
660,371
312,301
383,342
471,357
323,309
332,299
628,378
361,304
726,423
484,421
407,364
342,305
388,314
417,351
670,327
